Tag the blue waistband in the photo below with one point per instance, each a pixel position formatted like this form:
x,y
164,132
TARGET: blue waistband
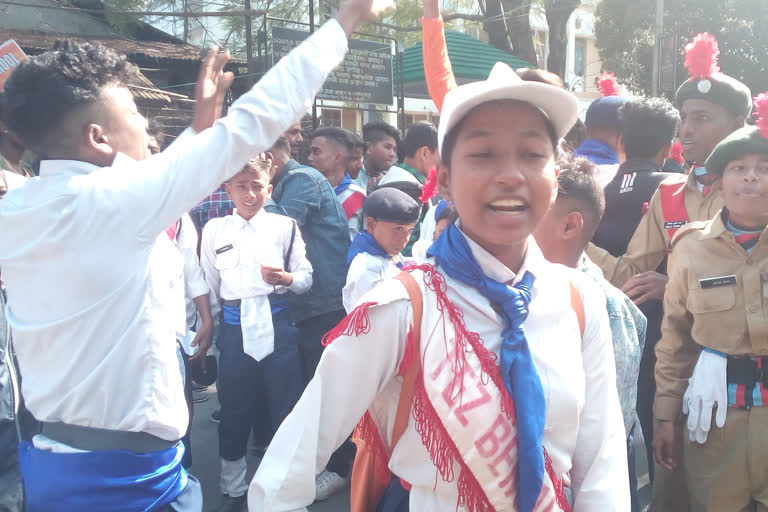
x,y
230,315
108,481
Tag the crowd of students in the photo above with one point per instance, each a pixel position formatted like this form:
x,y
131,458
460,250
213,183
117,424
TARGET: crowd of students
x,y
485,322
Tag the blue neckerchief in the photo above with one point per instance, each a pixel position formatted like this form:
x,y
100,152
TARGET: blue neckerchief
x,y
364,242
521,379
344,184
747,238
597,152
118,481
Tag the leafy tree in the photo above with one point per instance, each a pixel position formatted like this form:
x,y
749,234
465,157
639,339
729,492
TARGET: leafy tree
x,y
625,34
507,22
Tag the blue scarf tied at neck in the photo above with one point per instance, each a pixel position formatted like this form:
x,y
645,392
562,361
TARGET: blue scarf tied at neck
x,y
364,242
454,258
344,184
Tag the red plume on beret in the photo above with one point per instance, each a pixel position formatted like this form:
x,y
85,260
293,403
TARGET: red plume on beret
x,y
430,186
761,107
676,153
701,56
608,85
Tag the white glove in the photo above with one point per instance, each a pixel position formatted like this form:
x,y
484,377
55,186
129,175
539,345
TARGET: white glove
x,y
706,388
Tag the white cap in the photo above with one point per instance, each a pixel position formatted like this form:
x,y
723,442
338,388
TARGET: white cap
x,y
559,105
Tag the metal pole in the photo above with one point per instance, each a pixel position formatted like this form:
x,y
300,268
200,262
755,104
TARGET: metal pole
x,y
657,47
249,42
311,30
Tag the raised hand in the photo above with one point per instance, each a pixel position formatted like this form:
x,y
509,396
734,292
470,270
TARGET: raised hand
x,y
212,86
353,13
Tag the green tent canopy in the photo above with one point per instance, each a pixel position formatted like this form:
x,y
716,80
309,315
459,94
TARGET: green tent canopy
x,y
471,59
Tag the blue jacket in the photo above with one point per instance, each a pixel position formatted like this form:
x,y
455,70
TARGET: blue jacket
x,y
597,152
305,195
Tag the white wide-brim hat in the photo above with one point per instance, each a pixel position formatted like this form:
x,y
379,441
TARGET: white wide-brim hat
x,y
559,105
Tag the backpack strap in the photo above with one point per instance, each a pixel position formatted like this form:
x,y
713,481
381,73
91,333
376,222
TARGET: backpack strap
x,y
413,371
287,258
577,305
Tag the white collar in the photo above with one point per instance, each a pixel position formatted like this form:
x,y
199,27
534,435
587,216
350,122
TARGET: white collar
x,y
496,270
253,222
50,168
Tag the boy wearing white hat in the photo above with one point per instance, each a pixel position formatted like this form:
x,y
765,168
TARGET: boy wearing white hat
x,y
512,399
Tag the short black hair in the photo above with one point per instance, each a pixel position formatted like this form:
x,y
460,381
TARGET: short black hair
x,y
46,89
375,131
647,125
281,144
357,141
418,136
577,182
339,137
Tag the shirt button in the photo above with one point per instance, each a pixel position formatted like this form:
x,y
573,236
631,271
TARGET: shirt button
x,y
749,260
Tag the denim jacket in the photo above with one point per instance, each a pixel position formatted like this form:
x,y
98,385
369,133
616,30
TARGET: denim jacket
x,y
306,195
628,326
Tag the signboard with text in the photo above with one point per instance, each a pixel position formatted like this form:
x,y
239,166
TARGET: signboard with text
x,y
11,56
365,76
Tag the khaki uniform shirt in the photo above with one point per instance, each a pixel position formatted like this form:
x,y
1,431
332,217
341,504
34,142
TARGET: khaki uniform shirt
x,y
730,315
648,246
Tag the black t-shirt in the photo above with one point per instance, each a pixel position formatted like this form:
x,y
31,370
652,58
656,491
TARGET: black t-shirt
x,y
625,196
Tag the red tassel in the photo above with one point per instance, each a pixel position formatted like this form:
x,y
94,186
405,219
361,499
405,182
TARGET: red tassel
x,y
701,56
444,454
608,85
430,187
676,153
355,323
761,107
558,485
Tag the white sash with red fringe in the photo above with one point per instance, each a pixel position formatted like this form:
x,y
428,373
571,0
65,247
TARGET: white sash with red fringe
x,y
461,408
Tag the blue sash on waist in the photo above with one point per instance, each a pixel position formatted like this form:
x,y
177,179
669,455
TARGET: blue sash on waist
x,y
107,481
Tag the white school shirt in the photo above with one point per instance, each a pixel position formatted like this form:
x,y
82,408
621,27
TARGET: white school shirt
x,y
90,316
397,173
365,272
428,225
232,253
583,434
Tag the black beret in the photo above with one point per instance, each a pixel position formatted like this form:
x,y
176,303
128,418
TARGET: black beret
x,y
739,143
720,89
389,204
207,377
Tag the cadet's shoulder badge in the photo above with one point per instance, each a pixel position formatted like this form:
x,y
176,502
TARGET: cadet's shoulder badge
x,y
686,230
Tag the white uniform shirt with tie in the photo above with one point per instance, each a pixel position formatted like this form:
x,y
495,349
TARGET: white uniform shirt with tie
x,y
232,253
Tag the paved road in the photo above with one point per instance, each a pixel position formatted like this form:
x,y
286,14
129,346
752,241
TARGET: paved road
x,y
205,455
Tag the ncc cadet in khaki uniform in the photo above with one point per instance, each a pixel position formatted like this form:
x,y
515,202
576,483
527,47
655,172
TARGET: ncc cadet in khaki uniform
x,y
712,106
716,318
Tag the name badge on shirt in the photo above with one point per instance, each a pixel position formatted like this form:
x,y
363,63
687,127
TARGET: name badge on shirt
x,y
224,249
674,224
714,282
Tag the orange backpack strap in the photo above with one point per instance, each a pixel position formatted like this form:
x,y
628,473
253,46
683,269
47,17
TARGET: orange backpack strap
x,y
672,196
577,305
412,372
